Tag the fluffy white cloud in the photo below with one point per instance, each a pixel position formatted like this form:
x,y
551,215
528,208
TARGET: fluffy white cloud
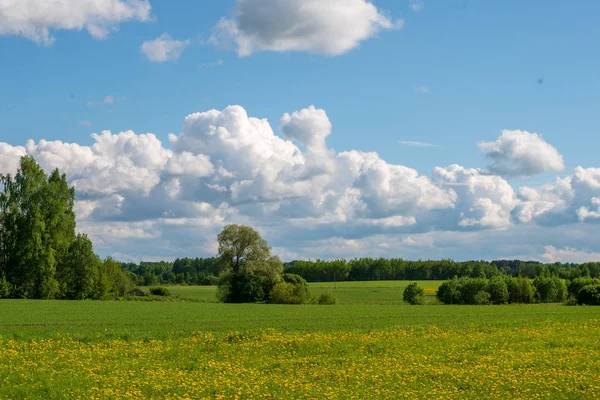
x,y
520,153
9,158
163,48
225,166
569,254
483,200
329,27
36,19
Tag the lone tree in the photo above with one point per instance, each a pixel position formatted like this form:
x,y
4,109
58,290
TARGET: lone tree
x,y
248,270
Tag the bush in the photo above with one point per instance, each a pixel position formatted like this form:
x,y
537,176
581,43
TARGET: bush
x,y
327,299
288,293
159,291
136,292
413,294
589,295
481,298
5,288
449,292
209,280
577,284
244,288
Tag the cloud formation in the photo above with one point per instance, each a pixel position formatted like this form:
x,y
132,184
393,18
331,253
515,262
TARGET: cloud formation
x,y
330,27
36,19
163,48
521,153
226,166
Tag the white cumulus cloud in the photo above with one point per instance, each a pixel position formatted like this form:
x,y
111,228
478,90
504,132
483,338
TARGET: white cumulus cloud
x,y
521,153
329,27
37,19
163,48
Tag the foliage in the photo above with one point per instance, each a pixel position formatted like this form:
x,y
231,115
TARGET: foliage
x,y
496,290
290,293
5,288
209,280
589,295
327,299
550,289
159,291
249,271
482,298
413,294
520,290
575,286
40,255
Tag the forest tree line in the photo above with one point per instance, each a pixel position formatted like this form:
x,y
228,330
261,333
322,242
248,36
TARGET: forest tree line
x,y
204,271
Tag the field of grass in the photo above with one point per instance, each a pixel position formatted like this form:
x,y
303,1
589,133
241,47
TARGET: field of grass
x,y
372,292
368,346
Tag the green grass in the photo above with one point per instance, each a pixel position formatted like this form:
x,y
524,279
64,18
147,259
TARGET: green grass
x,y
368,346
372,292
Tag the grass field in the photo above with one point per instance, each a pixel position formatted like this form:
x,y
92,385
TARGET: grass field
x,y
368,346
373,292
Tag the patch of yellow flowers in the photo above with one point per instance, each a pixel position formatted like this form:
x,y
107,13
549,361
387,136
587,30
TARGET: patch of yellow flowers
x,y
559,360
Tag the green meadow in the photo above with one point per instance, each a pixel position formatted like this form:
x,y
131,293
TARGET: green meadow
x,y
370,345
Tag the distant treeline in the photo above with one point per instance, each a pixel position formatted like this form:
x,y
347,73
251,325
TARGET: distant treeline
x,y
203,271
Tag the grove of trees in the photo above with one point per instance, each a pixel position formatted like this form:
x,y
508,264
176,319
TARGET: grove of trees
x,y
41,255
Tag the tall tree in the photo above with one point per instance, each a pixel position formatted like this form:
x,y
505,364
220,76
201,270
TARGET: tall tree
x,y
249,271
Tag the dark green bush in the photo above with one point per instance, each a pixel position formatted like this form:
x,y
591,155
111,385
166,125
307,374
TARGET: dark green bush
x,y
449,292
159,291
413,294
209,280
589,295
327,298
579,283
481,298
5,288
244,288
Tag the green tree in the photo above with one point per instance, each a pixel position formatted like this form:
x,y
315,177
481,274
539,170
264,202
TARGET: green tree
x,y
413,294
248,270
80,272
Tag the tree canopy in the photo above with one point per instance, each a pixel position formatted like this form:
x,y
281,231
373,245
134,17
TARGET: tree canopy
x,y
41,256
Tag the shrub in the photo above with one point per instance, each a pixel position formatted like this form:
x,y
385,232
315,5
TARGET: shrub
x,y
413,294
327,298
470,288
5,288
589,295
209,280
449,292
137,292
577,284
481,298
292,290
244,288
159,291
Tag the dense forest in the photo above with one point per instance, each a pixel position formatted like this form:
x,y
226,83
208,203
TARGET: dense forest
x,y
41,256
204,271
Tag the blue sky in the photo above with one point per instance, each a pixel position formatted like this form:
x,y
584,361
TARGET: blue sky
x,y
455,73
